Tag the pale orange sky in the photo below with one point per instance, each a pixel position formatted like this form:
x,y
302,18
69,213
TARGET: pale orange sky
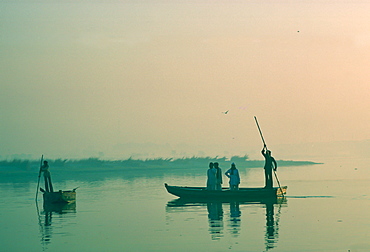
x,y
79,80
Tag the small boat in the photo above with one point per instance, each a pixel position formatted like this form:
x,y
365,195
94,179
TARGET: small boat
x,y
59,197
225,193
50,196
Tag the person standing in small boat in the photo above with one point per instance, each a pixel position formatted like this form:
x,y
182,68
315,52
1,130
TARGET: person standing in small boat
x,y
211,177
47,177
218,176
270,164
233,175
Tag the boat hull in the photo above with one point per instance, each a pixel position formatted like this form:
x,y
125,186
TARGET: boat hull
x,y
180,202
225,193
59,197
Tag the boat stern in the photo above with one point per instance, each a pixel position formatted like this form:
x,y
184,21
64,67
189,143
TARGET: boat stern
x,y
281,191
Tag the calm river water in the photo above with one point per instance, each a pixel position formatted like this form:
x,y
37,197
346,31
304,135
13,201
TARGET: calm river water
x,y
326,209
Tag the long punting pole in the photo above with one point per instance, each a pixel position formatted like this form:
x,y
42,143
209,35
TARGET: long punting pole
x,y
264,144
259,129
38,181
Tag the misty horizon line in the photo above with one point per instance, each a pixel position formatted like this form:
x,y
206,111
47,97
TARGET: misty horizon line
x,y
131,158
307,150
94,161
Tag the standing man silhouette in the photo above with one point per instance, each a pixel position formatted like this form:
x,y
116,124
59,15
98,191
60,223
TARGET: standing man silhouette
x,y
233,175
270,164
211,177
47,177
218,176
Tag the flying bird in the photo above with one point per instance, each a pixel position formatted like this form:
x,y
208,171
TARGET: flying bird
x,y
225,112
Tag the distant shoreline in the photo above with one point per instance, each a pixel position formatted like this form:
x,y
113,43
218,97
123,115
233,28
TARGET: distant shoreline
x,y
26,171
96,163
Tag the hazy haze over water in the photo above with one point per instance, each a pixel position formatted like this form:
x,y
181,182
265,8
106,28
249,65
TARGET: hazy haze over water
x,y
105,78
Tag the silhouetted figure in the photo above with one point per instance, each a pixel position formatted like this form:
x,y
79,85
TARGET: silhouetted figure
x,y
211,177
47,177
270,164
233,175
218,176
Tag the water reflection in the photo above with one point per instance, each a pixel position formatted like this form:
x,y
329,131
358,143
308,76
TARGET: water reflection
x,y
217,219
272,233
234,220
45,219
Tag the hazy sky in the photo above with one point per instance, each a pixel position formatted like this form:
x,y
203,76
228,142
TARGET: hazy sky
x,y
113,78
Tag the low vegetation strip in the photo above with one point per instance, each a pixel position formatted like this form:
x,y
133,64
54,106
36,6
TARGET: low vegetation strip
x,y
96,163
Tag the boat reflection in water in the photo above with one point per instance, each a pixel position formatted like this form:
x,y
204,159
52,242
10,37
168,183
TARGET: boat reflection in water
x,y
216,216
45,218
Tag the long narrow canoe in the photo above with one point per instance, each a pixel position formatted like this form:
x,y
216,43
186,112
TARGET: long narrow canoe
x,y
60,197
225,193
180,202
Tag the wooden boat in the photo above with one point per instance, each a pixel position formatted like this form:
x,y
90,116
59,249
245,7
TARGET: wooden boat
x,y
181,202
59,197
225,193
50,196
